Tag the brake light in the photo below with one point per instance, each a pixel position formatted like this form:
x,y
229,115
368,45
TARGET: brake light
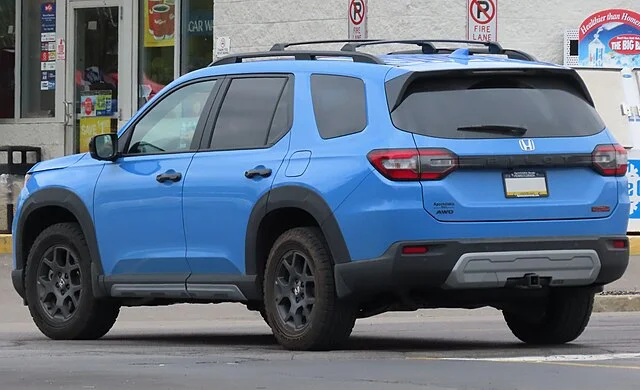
x,y
413,164
610,160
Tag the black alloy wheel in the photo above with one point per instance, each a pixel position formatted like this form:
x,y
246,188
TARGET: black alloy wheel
x,y
295,291
59,283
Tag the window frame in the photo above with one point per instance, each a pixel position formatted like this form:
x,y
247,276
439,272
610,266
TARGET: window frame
x,y
125,138
222,94
364,96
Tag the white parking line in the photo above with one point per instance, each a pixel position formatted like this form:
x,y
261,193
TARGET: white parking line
x,y
555,358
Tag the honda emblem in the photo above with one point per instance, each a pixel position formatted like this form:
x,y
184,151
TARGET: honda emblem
x,y
527,145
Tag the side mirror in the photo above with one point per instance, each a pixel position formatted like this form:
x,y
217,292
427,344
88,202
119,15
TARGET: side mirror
x,y
104,147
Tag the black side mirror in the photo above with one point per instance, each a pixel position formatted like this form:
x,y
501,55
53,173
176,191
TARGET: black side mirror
x,y
104,147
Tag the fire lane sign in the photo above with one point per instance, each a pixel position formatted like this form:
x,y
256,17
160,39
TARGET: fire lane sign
x,y
358,10
482,20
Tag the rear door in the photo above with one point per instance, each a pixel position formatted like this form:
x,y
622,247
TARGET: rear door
x,y
523,143
248,140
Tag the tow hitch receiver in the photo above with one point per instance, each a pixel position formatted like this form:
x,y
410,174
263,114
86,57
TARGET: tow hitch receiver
x,y
528,281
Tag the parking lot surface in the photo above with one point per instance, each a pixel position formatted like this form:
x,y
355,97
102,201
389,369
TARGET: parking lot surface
x,y
228,347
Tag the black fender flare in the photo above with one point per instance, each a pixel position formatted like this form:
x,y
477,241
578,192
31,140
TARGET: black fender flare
x,y
301,198
65,199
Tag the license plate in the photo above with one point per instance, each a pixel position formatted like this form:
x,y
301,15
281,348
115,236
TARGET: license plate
x,y
527,184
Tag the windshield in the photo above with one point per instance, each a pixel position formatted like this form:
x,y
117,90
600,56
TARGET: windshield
x,y
546,106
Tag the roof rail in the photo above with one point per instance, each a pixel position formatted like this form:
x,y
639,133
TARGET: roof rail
x,y
283,45
299,56
426,44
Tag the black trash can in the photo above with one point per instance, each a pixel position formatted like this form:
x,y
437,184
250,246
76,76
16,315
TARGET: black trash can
x,y
15,162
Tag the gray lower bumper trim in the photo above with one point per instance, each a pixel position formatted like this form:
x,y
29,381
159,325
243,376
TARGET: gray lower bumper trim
x,y
492,269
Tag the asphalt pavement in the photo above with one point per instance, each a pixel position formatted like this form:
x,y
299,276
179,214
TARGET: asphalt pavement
x,y
227,347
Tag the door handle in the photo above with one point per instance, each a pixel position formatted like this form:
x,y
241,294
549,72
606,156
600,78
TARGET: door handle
x,y
264,172
174,177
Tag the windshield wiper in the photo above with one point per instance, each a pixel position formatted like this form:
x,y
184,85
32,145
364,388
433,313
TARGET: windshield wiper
x,y
501,129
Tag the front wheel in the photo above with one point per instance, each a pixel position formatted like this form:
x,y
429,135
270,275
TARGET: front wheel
x,y
565,318
59,290
299,291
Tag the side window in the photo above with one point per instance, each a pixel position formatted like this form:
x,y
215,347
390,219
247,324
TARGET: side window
x,y
169,126
255,112
339,104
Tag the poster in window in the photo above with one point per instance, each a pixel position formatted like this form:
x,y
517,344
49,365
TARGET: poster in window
x,y
92,126
159,22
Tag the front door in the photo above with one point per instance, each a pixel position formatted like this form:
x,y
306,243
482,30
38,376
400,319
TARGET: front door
x,y
138,198
98,72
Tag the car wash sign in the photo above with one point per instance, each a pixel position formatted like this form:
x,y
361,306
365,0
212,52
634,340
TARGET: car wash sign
x,y
610,39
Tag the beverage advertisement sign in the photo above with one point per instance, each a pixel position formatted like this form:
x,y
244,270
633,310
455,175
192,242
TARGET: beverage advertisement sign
x,y
610,39
159,22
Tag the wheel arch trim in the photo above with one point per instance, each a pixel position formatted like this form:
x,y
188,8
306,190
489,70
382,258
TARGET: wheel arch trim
x,y
68,200
301,198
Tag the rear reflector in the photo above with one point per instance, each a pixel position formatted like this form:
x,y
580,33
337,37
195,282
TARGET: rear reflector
x,y
413,164
414,250
610,160
619,244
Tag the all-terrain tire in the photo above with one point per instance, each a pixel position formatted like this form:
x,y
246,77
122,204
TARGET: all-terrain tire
x,y
331,320
90,318
566,317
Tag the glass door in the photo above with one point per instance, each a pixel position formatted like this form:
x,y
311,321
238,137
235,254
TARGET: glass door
x,y
95,71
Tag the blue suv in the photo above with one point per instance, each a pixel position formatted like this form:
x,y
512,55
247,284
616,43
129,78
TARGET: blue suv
x,y
327,186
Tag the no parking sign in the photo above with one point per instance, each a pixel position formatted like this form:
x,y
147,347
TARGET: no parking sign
x,y
358,10
482,20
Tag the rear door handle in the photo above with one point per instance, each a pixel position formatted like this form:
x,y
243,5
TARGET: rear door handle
x,y
264,172
169,176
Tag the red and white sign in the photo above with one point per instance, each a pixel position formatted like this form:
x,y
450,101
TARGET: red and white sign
x,y
627,44
60,49
482,20
358,10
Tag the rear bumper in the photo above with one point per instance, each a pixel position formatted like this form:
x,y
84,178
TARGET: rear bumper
x,y
459,265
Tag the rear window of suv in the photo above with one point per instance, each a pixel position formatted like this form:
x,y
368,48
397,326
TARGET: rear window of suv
x,y
495,106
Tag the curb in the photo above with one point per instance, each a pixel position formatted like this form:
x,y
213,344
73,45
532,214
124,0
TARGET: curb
x,y
6,248
634,245
616,303
5,244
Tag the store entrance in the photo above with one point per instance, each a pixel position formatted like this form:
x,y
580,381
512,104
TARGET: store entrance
x,y
95,71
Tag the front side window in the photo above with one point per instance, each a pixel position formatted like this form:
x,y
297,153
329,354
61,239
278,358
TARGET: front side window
x,y
170,125
255,113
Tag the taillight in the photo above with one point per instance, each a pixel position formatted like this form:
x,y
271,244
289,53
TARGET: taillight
x,y
610,160
413,164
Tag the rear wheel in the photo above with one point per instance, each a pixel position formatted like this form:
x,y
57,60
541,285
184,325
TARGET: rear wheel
x,y
566,317
59,290
299,290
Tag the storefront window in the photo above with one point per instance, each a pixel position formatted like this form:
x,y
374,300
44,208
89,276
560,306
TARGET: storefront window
x,y
156,36
7,58
197,35
38,58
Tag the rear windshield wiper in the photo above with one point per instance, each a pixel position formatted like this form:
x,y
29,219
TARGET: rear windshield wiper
x,y
501,129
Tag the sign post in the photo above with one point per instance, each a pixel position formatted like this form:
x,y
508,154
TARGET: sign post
x,y
482,20
358,10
